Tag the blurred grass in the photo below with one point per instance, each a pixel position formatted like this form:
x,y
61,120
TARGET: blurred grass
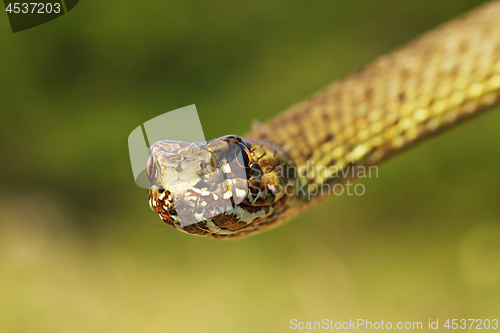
x,y
82,252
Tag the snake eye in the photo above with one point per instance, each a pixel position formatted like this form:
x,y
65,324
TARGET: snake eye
x,y
241,155
150,169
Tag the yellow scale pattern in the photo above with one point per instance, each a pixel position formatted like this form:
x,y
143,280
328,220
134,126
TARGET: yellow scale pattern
x,y
426,86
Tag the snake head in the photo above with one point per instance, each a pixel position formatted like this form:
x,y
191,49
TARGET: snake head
x,y
217,188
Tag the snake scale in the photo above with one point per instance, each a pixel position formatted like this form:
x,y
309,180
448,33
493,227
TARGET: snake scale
x,y
232,187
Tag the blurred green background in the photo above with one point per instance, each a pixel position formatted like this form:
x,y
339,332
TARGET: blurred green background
x,y
80,249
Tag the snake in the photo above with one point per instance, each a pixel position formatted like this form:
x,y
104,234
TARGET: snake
x,y
232,186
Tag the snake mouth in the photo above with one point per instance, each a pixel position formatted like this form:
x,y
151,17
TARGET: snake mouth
x,y
190,207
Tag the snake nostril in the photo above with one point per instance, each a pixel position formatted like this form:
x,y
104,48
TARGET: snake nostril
x,y
151,168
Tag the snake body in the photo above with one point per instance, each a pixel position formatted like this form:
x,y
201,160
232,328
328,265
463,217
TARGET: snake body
x,y
431,84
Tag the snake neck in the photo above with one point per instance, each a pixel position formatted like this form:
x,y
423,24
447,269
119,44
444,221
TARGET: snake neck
x,y
425,87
